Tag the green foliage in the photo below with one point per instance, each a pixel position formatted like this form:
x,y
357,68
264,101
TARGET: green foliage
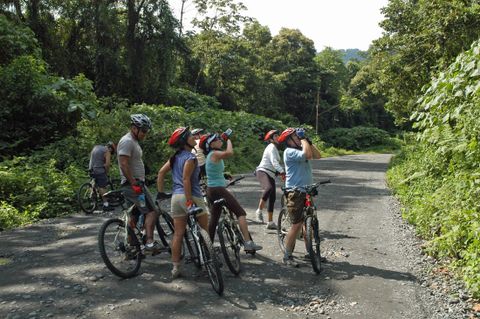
x,y
16,40
191,100
359,138
37,108
437,176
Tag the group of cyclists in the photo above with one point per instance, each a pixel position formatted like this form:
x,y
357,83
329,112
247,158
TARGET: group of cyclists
x,y
199,155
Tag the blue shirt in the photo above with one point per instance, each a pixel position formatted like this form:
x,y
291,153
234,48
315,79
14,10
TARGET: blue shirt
x,y
177,174
214,171
298,169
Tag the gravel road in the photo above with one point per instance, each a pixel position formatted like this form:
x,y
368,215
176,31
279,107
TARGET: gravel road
x,y
374,268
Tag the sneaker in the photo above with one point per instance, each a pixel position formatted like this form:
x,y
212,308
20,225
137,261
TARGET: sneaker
x,y
288,261
152,248
250,246
176,271
271,225
259,214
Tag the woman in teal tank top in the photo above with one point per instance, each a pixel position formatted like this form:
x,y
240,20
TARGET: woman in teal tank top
x,y
214,166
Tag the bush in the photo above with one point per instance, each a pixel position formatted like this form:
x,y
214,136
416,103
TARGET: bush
x,y
358,138
191,100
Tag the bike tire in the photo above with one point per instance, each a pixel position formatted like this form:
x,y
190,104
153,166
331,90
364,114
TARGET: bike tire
x,y
192,248
87,198
211,262
229,244
283,226
312,243
120,257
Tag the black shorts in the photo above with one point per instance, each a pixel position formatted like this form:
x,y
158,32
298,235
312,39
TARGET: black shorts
x,y
100,179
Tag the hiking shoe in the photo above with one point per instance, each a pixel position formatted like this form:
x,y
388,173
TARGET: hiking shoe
x,y
271,225
152,248
289,261
176,271
251,246
259,214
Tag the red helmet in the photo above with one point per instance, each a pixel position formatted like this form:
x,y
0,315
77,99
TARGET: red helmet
x,y
270,134
179,136
206,140
286,133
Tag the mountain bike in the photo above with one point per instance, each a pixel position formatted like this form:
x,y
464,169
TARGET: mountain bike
x,y
201,250
229,235
310,230
89,198
122,240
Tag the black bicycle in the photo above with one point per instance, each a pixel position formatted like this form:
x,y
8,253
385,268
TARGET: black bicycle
x,y
201,250
310,231
122,240
229,235
89,198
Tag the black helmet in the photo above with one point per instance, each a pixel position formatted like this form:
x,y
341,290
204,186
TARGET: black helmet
x,y
141,121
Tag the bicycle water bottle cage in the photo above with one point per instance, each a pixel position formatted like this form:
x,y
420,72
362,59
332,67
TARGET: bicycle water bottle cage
x,y
220,201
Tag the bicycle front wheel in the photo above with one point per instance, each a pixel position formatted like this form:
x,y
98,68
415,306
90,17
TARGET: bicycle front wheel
x,y
230,246
121,258
312,242
87,198
210,262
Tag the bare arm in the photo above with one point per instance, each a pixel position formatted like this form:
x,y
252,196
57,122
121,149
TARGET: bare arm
x,y
307,149
218,155
124,160
188,169
161,175
316,152
108,158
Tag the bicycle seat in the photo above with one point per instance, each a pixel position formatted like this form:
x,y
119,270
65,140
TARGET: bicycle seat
x,y
195,210
162,196
220,201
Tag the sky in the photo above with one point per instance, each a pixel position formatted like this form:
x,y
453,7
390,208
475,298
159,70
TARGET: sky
x,y
340,24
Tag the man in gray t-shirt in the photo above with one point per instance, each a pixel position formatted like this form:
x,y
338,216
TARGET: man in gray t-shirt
x,y
132,171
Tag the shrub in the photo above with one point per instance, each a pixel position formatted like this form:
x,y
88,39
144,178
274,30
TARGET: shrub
x,y
358,138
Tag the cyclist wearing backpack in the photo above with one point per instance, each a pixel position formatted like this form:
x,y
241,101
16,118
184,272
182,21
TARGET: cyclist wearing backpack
x,y
300,150
132,173
187,195
216,185
266,171
99,167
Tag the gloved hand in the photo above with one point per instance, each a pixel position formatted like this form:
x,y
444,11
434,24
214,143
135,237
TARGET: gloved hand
x,y
226,135
192,207
300,133
137,189
283,176
227,176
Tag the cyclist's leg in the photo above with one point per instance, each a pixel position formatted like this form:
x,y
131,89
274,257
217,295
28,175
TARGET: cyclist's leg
x,y
234,206
101,180
295,204
271,199
203,216
214,193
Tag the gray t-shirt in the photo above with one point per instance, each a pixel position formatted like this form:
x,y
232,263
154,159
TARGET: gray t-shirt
x,y
97,159
128,146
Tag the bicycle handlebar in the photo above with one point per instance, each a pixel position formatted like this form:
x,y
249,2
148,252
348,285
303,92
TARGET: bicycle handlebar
x,y
235,180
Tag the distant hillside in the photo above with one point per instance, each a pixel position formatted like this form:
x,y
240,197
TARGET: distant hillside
x,y
353,54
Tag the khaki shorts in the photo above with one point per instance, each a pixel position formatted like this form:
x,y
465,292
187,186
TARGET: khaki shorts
x,y
295,204
179,207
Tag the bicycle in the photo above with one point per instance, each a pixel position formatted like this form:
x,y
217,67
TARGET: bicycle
x,y
89,198
121,241
229,235
310,230
201,250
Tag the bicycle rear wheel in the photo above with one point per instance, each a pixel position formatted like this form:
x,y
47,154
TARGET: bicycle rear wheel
x,y
312,242
210,262
283,226
120,257
230,246
87,198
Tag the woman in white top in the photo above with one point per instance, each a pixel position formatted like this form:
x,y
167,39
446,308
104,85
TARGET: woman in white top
x,y
267,170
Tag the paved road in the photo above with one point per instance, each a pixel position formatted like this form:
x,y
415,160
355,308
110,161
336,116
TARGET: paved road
x,y
53,269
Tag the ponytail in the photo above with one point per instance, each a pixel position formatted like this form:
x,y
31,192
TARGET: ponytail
x,y
173,157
